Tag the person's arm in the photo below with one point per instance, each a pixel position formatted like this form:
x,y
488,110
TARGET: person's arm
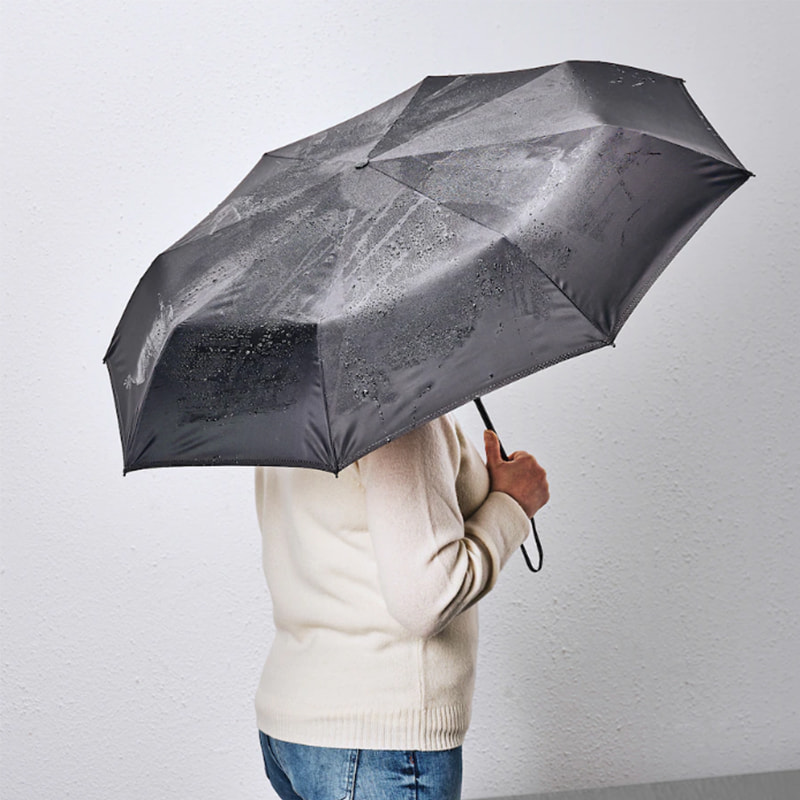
x,y
433,563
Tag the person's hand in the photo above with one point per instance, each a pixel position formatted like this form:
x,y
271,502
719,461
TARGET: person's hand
x,y
520,476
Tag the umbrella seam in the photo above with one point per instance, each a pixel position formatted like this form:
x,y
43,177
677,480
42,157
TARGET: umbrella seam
x,y
505,238
145,392
541,71
668,257
386,157
738,164
697,150
184,242
417,87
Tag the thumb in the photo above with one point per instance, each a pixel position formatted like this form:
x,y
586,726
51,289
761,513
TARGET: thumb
x,y
492,445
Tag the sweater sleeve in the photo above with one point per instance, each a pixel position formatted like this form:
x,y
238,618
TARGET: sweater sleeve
x,y
432,562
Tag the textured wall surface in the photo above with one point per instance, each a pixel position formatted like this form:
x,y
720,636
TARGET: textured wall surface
x,y
661,640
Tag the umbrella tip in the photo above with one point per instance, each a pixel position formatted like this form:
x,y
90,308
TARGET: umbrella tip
x,y
362,164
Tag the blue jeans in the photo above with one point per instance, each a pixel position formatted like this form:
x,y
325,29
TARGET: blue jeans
x,y
301,772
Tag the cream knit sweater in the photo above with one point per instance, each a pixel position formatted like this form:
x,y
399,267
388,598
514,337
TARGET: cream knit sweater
x,y
374,576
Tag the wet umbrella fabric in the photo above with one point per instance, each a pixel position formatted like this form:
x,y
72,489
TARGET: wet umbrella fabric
x,y
357,283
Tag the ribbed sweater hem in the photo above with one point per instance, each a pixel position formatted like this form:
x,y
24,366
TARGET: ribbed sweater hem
x,y
439,728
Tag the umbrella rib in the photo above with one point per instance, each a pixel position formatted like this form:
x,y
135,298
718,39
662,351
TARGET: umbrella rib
x,y
326,408
185,241
387,136
576,128
606,336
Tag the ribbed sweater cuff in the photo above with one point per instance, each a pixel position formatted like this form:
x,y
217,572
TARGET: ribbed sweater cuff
x,y
502,517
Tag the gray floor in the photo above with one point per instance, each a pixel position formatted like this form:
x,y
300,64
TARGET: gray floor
x,y
762,786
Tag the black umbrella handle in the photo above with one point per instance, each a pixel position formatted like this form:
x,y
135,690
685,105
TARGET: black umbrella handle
x,y
488,423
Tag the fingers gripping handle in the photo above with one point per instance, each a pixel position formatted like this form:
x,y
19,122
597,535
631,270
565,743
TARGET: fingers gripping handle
x,y
488,423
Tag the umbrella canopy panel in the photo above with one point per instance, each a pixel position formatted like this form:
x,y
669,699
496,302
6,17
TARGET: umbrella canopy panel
x,y
364,280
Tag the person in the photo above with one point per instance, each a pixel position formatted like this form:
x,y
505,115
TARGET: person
x,y
374,576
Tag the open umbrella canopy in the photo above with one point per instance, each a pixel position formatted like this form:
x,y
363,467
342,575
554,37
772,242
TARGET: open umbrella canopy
x,y
357,283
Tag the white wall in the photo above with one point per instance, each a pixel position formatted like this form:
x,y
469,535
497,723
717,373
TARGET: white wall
x,y
660,642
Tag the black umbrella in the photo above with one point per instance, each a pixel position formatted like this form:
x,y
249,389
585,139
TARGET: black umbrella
x,y
364,280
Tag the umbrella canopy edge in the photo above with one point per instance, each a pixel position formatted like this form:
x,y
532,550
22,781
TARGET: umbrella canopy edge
x,y
468,398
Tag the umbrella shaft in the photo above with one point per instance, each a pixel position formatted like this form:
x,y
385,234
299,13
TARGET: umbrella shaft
x,y
489,426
